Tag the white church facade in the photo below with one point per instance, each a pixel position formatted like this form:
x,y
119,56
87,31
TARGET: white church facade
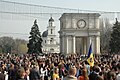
x,y
78,31
50,43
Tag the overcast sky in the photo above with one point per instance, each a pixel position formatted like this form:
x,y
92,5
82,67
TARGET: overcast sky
x,y
24,26
102,5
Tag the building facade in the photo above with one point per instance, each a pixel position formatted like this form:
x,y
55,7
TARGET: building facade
x,y
77,31
50,43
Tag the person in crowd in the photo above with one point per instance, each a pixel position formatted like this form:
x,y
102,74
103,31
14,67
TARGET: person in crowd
x,y
12,72
46,74
107,67
62,71
78,68
51,71
56,74
34,72
72,73
27,72
111,75
94,73
99,78
43,71
103,73
87,67
84,75
21,74
118,75
2,76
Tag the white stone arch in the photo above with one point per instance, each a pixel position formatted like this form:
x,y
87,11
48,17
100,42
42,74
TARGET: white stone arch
x,y
72,34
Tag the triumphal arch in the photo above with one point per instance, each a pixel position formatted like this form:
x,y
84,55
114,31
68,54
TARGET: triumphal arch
x,y
77,31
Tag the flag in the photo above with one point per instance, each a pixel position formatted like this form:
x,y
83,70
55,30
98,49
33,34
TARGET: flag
x,y
90,58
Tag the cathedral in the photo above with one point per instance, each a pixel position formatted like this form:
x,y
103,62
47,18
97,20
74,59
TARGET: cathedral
x,y
50,43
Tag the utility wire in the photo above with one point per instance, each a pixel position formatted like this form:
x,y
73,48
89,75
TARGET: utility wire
x,y
14,33
102,12
26,13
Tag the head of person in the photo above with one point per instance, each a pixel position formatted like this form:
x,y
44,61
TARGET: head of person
x,y
111,75
35,65
96,69
84,72
1,69
56,70
100,78
27,70
72,70
21,72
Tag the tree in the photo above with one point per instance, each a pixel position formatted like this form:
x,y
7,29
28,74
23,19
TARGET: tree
x,y
20,46
114,45
105,33
6,44
10,45
35,40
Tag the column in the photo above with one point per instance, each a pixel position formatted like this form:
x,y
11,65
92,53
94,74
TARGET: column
x,y
73,43
66,45
97,44
88,43
62,44
84,45
93,41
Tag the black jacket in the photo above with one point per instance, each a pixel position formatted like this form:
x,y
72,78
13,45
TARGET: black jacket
x,y
34,74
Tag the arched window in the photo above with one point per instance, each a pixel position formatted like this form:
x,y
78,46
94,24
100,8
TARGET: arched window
x,y
51,50
51,40
50,23
51,31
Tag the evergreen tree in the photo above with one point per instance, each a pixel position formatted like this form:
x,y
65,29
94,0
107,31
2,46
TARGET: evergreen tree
x,y
35,40
115,38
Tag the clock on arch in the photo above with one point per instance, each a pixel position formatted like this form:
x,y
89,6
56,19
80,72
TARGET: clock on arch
x,y
81,23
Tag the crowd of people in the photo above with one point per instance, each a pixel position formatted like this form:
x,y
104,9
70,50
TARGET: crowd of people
x,y
58,67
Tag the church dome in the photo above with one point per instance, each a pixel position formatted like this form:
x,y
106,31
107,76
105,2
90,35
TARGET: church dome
x,y
51,19
45,34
